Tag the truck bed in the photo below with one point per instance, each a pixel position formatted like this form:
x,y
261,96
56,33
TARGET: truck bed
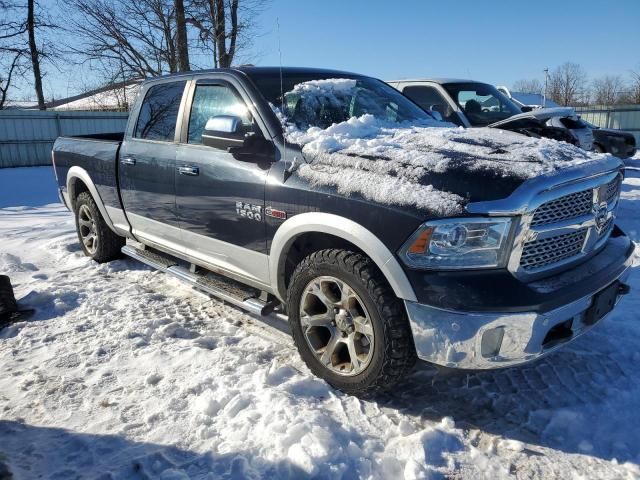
x,y
97,154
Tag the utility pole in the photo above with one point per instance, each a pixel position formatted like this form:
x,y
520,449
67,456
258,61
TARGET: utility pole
x,y
546,80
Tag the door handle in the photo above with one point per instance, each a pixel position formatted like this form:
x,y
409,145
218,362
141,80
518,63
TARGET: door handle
x,y
128,161
189,170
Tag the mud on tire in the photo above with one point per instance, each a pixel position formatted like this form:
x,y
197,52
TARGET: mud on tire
x,y
391,354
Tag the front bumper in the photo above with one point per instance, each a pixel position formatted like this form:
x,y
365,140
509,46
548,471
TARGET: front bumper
x,y
485,340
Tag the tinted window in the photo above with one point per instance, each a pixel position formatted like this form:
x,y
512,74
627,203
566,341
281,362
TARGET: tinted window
x,y
482,104
430,99
159,112
210,101
424,96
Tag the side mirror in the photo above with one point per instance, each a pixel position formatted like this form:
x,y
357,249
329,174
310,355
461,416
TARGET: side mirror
x,y
526,108
223,132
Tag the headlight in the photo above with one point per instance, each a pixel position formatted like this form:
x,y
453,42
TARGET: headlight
x,y
459,243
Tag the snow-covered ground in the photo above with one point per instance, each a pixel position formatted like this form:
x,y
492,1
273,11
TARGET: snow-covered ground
x,y
125,373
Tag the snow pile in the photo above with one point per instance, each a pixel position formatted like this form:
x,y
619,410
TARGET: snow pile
x,y
390,162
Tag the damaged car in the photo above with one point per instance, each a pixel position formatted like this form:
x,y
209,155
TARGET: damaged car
x,y
474,104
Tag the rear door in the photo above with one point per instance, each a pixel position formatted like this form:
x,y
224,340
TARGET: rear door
x,y
219,198
147,166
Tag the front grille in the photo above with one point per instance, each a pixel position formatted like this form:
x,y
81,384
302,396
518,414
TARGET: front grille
x,y
564,208
546,251
612,190
580,211
606,229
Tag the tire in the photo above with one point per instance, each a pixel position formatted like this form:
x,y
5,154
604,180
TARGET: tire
x,y
368,322
97,240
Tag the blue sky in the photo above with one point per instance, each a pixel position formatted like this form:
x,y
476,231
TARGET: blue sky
x,y
494,41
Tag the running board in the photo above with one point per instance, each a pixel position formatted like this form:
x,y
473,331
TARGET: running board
x,y
225,289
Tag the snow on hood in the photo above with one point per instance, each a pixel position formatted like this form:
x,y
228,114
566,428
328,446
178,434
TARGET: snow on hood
x,y
388,162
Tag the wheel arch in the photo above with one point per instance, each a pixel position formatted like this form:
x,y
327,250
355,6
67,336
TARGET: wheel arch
x,y
345,231
79,180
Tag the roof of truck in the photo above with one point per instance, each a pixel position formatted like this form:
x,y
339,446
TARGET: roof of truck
x,y
435,80
252,70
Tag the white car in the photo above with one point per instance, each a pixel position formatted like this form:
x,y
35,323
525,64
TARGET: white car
x,y
469,104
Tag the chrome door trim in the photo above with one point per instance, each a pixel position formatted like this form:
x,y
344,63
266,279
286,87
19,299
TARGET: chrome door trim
x,y
239,263
152,231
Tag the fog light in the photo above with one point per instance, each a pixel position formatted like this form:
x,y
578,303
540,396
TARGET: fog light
x,y
491,342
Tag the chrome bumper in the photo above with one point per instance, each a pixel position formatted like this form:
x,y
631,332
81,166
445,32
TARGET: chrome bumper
x,y
493,340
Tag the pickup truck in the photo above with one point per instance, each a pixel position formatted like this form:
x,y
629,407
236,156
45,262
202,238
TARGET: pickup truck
x,y
316,195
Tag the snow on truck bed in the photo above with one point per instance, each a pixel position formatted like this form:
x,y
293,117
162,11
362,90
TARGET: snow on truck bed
x,y
386,162
124,372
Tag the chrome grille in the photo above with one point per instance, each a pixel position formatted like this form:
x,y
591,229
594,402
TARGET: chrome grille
x,y
564,208
606,229
612,190
541,253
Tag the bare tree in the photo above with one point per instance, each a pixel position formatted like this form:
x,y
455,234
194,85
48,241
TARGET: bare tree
x,y
567,84
225,27
181,37
633,95
34,53
5,78
608,90
12,49
139,37
528,86
19,50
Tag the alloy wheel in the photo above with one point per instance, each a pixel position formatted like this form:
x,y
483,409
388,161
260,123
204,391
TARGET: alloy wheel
x,y
336,325
88,229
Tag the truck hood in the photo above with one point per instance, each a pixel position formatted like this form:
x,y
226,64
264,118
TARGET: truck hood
x,y
541,115
433,167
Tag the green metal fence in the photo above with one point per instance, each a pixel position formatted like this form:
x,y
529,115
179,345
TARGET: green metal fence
x,y
622,117
27,136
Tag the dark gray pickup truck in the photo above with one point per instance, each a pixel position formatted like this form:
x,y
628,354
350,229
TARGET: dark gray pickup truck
x,y
301,192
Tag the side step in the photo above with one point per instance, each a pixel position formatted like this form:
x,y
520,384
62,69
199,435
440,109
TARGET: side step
x,y
235,293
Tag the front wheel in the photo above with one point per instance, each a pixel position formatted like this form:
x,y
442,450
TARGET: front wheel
x,y
348,325
97,240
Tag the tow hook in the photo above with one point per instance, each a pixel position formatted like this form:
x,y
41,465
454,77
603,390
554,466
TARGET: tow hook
x,y
623,289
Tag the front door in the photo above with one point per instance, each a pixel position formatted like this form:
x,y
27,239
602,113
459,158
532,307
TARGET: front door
x,y
147,167
220,200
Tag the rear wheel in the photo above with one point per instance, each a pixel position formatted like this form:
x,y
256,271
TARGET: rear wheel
x,y
349,327
97,240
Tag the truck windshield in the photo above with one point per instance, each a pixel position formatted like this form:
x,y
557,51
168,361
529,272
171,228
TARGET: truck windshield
x,y
481,103
314,101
